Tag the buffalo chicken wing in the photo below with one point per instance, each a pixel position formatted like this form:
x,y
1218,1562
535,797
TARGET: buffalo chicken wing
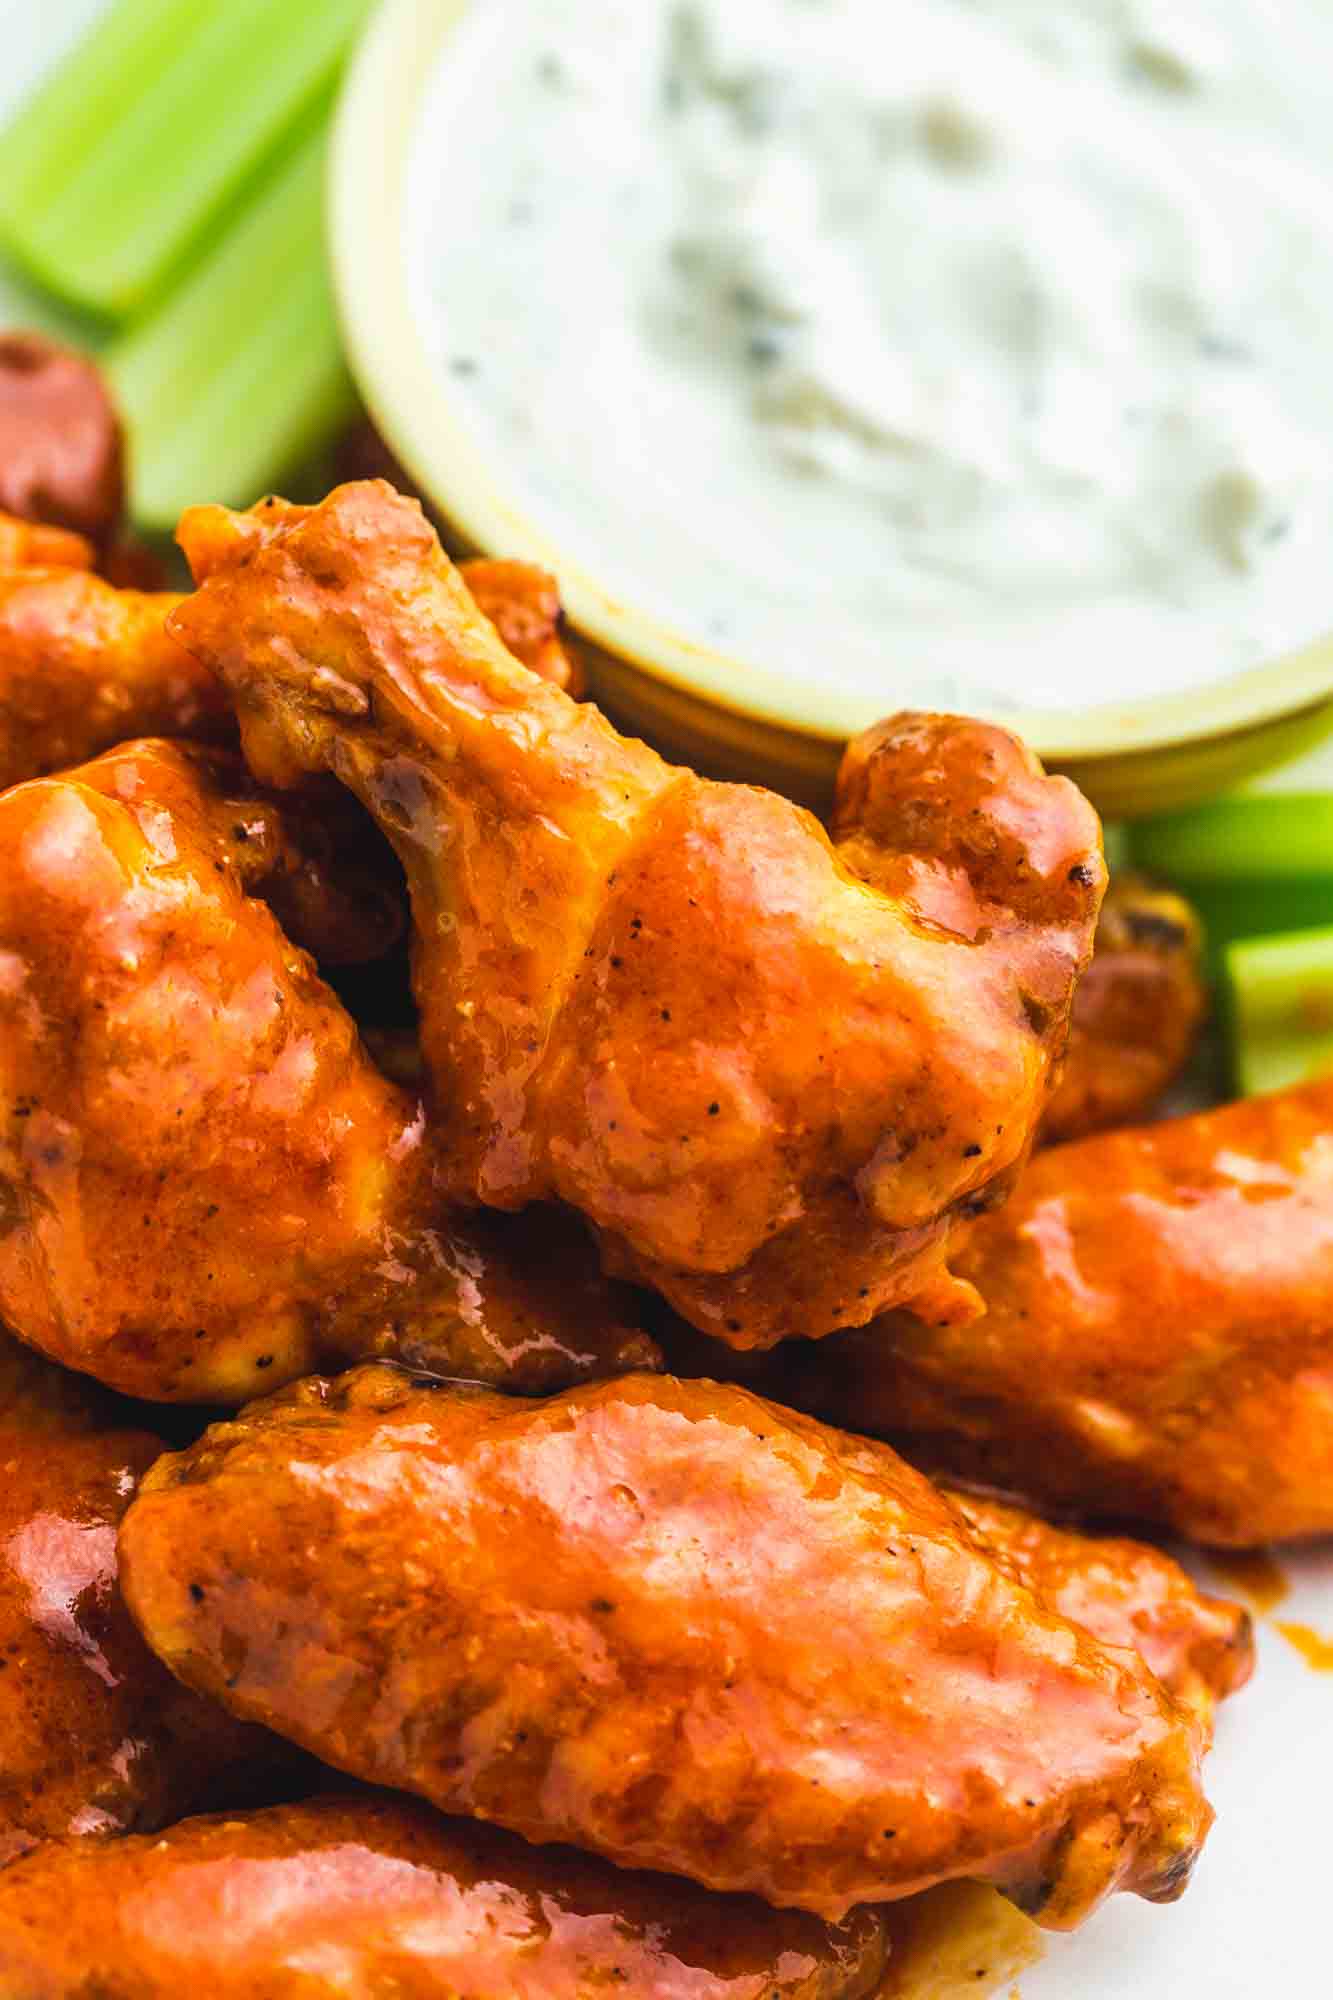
x,y
31,545
1158,1336
672,1623
84,666
206,1186
372,1895
772,1073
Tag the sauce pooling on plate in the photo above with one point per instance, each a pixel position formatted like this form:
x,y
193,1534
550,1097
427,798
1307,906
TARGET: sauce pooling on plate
x,y
969,352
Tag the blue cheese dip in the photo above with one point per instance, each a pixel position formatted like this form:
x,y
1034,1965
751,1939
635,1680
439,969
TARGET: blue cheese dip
x,y
975,353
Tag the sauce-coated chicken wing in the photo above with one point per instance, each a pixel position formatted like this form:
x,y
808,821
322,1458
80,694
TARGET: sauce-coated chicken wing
x,y
84,666
372,1895
1158,1340
1136,1014
672,1623
206,1187
771,1086
32,545
95,1736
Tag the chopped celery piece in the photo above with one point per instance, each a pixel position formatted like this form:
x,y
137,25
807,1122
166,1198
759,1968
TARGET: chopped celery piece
x,y
240,375
1280,992
1280,834
143,136
1251,865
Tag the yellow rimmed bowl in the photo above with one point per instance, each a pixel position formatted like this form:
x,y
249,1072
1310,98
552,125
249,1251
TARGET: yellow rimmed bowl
x,y
725,716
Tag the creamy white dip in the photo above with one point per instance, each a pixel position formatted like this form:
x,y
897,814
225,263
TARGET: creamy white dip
x,y
976,352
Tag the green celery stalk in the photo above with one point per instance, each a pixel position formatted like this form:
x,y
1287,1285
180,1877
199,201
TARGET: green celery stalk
x,y
1254,866
143,137
1280,995
240,375
1278,834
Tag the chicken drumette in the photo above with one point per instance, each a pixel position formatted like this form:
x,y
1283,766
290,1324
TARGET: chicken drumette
x,y
672,1623
206,1186
772,1072
1158,1335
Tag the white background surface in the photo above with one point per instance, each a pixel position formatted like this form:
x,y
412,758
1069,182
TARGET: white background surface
x,y
1257,1922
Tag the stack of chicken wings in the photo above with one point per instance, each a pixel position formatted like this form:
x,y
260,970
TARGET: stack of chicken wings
x,y
536,1502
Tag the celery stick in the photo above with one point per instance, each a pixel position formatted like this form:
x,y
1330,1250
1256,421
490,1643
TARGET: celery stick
x,y
144,135
1280,992
240,375
1282,834
1252,865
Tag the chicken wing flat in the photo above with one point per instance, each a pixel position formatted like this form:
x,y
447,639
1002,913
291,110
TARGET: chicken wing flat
x,y
1158,1339
95,1736
206,1187
1137,1012
770,1085
377,1895
84,666
61,459
672,1623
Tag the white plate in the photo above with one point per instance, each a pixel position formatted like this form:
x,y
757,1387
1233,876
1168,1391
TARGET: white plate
x,y
1252,1925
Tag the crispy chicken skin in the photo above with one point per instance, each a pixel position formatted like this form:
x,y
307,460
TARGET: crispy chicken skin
x,y
672,1623
206,1187
771,1086
60,446
375,1895
84,666
1137,1012
95,1736
1125,1593
1158,1340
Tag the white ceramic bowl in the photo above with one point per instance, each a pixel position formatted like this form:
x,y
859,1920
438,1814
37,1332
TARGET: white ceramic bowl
x,y
725,715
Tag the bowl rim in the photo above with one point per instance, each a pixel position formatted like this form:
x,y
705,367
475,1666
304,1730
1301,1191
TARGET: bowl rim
x,y
410,402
